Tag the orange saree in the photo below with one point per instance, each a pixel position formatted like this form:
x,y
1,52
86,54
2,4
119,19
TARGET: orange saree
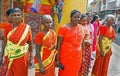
x,y
15,51
47,53
100,67
71,50
3,69
4,25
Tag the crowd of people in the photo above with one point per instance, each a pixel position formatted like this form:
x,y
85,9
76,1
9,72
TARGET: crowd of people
x,y
82,39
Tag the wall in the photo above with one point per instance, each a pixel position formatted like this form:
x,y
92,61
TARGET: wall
x,y
5,6
69,5
0,9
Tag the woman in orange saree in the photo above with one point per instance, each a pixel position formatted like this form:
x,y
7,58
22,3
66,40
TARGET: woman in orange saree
x,y
18,40
70,37
9,19
45,41
3,25
103,53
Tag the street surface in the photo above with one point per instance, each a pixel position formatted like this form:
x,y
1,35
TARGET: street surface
x,y
114,66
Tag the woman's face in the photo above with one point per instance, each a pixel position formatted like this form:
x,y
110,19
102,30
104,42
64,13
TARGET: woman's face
x,y
89,17
83,21
97,19
9,17
75,18
111,21
48,23
17,17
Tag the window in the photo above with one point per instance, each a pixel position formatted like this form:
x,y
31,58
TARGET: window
x,y
0,10
111,0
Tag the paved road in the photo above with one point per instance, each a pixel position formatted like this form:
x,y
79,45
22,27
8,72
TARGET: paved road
x,y
32,72
114,66
117,39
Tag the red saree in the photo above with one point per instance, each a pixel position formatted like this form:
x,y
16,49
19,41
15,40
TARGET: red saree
x,y
4,25
3,69
87,51
86,64
71,50
48,41
100,67
19,65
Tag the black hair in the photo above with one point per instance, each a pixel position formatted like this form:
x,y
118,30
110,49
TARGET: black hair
x,y
88,13
9,11
17,10
94,18
83,15
74,12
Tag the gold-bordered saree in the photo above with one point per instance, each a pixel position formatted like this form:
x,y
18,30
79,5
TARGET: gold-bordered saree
x,y
14,51
106,44
49,42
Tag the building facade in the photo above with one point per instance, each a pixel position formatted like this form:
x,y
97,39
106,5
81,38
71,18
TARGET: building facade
x,y
4,6
105,7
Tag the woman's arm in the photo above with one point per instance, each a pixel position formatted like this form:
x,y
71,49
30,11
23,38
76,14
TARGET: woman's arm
x,y
30,52
59,42
2,34
100,45
2,51
38,49
30,47
87,41
83,51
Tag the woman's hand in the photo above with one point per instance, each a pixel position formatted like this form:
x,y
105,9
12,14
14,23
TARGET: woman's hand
x,y
101,53
59,65
87,43
83,59
42,70
1,60
30,62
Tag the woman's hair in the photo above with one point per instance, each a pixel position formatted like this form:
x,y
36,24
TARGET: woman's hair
x,y
94,18
9,11
74,12
44,17
88,13
17,10
108,17
83,15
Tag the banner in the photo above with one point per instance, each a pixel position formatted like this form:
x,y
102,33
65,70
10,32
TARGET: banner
x,y
42,8
18,4
34,21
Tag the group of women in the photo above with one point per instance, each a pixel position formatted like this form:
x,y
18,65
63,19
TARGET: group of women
x,y
70,51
